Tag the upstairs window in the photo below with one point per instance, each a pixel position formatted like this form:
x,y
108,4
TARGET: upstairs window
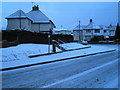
x,y
105,31
97,31
88,31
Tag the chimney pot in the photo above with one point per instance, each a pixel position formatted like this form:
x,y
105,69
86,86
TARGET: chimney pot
x,y
90,20
35,8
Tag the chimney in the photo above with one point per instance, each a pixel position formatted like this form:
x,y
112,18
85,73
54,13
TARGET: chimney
x,y
110,25
90,20
35,8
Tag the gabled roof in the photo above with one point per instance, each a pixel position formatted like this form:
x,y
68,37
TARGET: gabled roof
x,y
37,17
103,27
17,14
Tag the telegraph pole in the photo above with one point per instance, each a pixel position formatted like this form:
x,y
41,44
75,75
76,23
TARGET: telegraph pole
x,y
19,27
20,19
79,31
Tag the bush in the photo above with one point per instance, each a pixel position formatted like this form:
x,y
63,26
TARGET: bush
x,y
22,36
97,38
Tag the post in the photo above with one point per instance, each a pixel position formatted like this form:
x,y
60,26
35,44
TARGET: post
x,y
54,46
20,19
49,43
79,31
49,38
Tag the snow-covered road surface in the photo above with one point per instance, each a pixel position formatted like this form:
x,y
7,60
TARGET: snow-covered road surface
x,y
64,83
46,75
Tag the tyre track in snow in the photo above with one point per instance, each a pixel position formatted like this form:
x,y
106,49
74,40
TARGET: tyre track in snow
x,y
40,76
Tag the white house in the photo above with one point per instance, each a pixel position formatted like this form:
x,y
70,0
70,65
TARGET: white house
x,y
34,21
87,32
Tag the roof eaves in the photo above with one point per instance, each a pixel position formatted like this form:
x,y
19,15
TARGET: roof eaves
x,y
52,23
45,22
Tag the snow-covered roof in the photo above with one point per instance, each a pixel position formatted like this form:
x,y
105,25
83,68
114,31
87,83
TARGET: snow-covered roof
x,y
81,27
38,17
91,25
62,29
35,15
17,14
104,27
112,28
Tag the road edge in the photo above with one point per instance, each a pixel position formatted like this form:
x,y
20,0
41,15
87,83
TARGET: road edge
x,y
11,68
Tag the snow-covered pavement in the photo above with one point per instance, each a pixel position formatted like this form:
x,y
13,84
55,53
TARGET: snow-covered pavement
x,y
53,57
97,71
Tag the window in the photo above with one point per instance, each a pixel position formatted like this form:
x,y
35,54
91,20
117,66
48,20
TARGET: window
x,y
88,31
97,31
88,38
105,31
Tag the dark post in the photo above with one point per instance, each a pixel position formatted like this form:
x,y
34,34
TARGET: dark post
x,y
54,46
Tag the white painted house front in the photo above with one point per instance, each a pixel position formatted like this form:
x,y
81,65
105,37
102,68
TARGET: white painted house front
x,y
87,32
34,21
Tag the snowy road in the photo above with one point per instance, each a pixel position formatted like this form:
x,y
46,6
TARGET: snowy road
x,y
98,71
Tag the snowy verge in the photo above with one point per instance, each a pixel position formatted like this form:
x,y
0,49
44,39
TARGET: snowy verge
x,y
53,57
22,51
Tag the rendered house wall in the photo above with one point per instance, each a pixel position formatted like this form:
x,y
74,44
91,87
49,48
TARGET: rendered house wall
x,y
38,27
15,24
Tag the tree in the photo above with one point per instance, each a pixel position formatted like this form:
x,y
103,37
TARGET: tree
x,y
117,33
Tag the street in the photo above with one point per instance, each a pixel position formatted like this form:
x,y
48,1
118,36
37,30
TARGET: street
x,y
60,45
96,71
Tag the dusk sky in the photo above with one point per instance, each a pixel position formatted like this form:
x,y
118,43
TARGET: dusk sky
x,y
67,14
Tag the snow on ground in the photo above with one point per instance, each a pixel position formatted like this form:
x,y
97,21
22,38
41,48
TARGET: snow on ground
x,y
106,46
94,78
22,51
68,46
19,54
42,75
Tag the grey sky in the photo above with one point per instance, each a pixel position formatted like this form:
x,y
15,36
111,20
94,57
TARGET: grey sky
x,y
68,14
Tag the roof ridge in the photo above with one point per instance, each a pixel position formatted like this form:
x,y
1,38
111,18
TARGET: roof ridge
x,y
37,16
18,14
